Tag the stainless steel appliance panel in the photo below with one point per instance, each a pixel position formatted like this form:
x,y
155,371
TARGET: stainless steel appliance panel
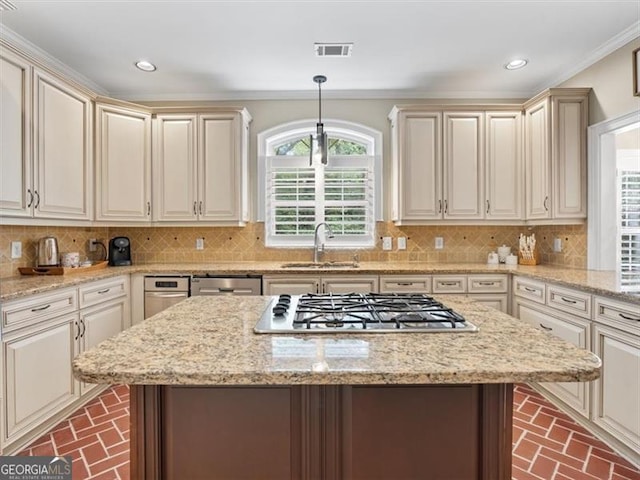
x,y
162,292
226,285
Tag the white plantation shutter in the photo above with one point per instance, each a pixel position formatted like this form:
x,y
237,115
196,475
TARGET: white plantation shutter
x,y
629,228
299,196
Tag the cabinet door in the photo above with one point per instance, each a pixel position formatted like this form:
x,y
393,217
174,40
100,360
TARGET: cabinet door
x,y
123,164
572,329
569,156
349,284
62,149
100,323
504,180
175,168
219,168
16,194
537,160
617,391
496,300
419,165
464,165
38,375
296,285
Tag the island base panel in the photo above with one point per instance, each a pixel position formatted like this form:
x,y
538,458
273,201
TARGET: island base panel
x,y
322,432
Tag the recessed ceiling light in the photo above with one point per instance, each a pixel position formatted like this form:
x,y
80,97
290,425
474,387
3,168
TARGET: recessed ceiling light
x,y
516,64
145,66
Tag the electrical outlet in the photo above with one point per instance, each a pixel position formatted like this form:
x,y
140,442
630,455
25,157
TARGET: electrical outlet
x,y
93,245
199,243
387,243
557,245
439,244
402,243
16,249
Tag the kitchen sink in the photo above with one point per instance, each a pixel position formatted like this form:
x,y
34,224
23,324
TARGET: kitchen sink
x,y
320,265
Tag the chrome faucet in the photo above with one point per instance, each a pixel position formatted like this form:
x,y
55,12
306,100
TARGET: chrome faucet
x,y
319,248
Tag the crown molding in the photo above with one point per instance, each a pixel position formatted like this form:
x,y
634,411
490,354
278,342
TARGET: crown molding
x,y
41,57
610,46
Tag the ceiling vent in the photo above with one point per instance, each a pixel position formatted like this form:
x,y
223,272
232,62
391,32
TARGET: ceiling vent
x,y
332,49
7,5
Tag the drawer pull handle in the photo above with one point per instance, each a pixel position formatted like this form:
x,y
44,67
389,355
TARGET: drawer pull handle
x,y
548,329
629,318
532,290
78,327
84,327
448,284
487,284
100,292
39,309
405,284
568,300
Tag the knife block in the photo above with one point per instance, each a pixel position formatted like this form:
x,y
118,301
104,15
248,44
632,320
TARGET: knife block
x,y
533,260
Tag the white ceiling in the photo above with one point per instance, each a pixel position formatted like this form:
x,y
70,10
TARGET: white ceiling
x,y
264,49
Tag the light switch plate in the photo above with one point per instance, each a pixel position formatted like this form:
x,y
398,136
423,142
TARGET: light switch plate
x,y
557,245
199,243
439,243
402,243
386,243
16,249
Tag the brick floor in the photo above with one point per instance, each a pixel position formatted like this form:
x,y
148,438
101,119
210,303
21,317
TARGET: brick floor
x,y
547,444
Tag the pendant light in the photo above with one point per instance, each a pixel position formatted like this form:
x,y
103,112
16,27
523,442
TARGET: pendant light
x,y
319,141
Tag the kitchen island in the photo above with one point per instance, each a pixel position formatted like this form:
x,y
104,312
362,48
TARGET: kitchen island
x,y
212,399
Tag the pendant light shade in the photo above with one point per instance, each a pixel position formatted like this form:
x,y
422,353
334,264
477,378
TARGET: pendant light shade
x,y
319,141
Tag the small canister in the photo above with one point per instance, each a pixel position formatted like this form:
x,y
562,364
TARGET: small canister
x,y
70,259
503,252
492,258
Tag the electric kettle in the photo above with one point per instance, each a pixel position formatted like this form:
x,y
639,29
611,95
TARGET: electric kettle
x,y
48,252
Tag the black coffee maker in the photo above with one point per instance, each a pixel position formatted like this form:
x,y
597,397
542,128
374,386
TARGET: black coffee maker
x,y
119,251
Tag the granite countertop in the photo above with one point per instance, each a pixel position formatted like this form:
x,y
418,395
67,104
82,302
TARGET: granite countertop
x,y
210,341
595,282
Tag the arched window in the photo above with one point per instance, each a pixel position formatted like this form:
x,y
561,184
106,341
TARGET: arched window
x,y
295,196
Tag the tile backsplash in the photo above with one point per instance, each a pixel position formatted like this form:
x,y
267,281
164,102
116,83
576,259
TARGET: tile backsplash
x,y
462,244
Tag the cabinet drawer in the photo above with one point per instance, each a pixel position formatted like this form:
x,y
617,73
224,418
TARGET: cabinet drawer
x,y
449,284
569,300
36,308
406,284
625,316
531,289
487,284
100,291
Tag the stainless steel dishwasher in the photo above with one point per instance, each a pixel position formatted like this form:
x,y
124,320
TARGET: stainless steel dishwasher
x,y
209,284
162,292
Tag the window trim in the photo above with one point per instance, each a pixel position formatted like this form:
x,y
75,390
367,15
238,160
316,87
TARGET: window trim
x,y
368,136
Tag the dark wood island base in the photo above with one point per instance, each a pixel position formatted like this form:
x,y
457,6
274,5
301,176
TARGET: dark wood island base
x,y
322,432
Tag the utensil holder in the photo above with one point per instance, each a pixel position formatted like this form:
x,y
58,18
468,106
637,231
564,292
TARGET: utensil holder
x,y
533,260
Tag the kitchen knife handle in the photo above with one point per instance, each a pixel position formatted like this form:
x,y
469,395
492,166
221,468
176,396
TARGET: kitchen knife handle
x,y
37,199
30,197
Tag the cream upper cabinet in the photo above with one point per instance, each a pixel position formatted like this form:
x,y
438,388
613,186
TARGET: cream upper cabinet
x,y
16,194
504,168
123,163
62,149
555,154
200,167
417,166
463,165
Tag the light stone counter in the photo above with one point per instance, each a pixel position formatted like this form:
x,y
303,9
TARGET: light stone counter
x,y
210,341
595,282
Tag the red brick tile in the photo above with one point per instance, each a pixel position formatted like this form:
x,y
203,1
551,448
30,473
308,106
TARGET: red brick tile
x,y
110,437
529,408
72,447
520,462
543,441
109,463
124,472
114,449
543,467
108,417
562,458
577,449
80,422
574,474
611,456
598,467
44,449
96,410
519,474
627,473
529,427
526,449
516,433
543,420
108,475
122,423
554,412
559,476
590,440
559,434
79,470
63,435
94,430
571,425
109,398
94,453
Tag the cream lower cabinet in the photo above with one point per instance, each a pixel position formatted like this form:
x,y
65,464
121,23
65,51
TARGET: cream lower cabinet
x,y
616,394
38,379
574,330
123,162
301,284
490,289
200,167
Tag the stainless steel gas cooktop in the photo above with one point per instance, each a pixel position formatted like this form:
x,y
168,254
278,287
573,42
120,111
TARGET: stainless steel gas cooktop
x,y
360,313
